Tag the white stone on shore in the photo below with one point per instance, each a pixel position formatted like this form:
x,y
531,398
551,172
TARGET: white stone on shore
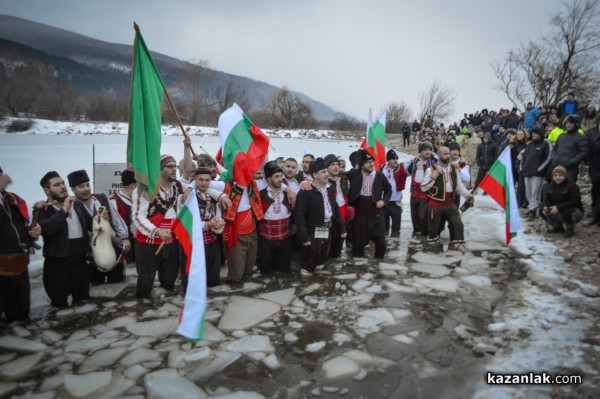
x,y
271,361
315,346
244,312
154,328
251,343
443,284
20,366
140,355
168,384
21,344
101,358
84,385
282,297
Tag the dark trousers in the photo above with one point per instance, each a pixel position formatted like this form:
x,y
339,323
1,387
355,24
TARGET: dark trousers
x,y
595,193
405,139
213,258
446,213
67,276
15,299
567,216
418,214
369,228
274,255
393,211
97,276
147,264
336,243
315,254
521,193
480,174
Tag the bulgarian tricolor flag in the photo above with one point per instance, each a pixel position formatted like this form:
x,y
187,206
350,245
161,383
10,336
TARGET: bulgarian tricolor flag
x,y
144,136
243,146
188,230
499,184
374,143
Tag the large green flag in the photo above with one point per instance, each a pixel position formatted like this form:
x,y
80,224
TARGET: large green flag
x,y
143,141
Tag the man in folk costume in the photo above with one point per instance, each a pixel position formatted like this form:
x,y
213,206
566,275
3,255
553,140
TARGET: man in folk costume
x,y
316,210
80,185
121,203
153,220
305,174
340,185
274,243
463,168
418,199
17,237
441,183
290,167
395,174
369,193
65,227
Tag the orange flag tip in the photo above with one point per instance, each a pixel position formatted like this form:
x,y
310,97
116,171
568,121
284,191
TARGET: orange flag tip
x,y
136,27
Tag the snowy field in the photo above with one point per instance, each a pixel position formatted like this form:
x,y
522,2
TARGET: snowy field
x,y
420,323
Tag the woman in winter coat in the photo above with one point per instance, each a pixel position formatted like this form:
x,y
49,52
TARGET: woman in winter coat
x,y
517,145
591,118
562,203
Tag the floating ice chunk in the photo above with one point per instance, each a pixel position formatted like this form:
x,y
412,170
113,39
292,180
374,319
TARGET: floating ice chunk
x,y
7,387
271,361
367,276
290,337
399,288
340,338
484,348
7,357
358,262
374,289
154,328
282,297
251,343
373,317
87,308
110,291
77,335
168,384
543,278
240,395
21,344
52,382
117,387
101,358
405,339
239,334
433,259
64,312
21,331
315,346
388,273
86,345
218,361
443,284
360,285
476,281
361,375
250,286
400,313
141,342
121,322
175,359
365,359
392,266
431,269
256,356
140,355
294,324
134,372
464,332
51,337
497,327
20,366
197,354
212,315
348,276
340,366
311,288
84,385
211,333
361,299
243,312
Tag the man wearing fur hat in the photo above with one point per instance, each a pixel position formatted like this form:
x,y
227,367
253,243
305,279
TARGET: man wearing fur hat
x,y
441,183
562,203
66,228
316,210
94,203
395,174
571,147
369,193
17,237
153,220
418,199
274,245
340,185
120,205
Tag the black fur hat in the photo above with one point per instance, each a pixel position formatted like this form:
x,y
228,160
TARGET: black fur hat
x,y
271,168
363,156
391,154
78,177
317,165
47,177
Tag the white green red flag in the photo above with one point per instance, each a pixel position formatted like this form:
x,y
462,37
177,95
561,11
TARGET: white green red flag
x,y
499,184
243,146
188,230
374,142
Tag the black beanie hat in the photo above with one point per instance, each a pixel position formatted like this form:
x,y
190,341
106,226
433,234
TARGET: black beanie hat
x,y
363,157
317,165
271,168
391,154
127,177
574,119
329,159
538,130
78,177
353,157
47,177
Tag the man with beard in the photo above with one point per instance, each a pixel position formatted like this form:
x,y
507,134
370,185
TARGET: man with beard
x,y
418,199
339,184
274,245
92,203
369,193
316,210
120,204
17,237
305,174
441,183
290,167
395,174
153,220
463,168
65,227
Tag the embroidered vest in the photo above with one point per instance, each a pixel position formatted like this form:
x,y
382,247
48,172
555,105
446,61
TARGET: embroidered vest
x,y
234,193
438,191
124,210
267,201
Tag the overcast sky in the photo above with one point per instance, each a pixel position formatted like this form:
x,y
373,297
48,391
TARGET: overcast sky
x,y
349,54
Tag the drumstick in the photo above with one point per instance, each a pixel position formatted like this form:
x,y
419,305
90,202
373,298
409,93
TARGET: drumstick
x,y
162,244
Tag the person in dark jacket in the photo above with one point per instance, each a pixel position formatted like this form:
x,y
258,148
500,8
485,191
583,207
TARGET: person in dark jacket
x,y
517,146
316,210
65,227
511,121
593,162
405,135
487,152
17,237
369,194
562,204
571,147
535,160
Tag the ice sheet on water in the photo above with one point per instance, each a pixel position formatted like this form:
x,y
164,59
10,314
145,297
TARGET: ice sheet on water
x,y
134,372
290,337
271,361
347,276
117,387
101,358
251,343
218,361
111,291
21,331
211,333
340,366
86,345
87,308
374,289
431,269
20,366
392,266
240,395
360,285
168,384
21,344
197,354
244,312
140,355
282,297
443,284
476,281
122,321
399,288
84,385
433,259
315,346
154,328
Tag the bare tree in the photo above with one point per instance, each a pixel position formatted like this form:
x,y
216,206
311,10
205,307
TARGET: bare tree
x,y
192,85
398,113
288,111
544,70
24,79
437,102
224,95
